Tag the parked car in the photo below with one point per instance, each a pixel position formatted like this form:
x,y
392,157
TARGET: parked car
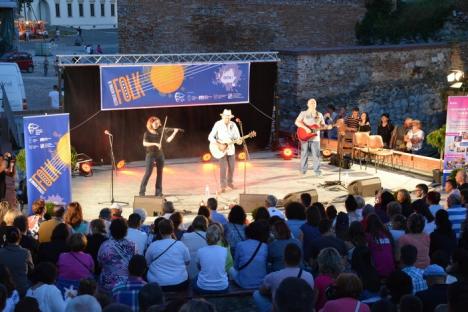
x,y
10,77
23,59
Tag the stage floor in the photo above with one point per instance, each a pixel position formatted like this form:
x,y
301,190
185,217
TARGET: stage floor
x,y
186,180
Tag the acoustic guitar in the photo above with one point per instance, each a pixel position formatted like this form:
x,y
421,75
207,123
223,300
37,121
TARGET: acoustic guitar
x,y
219,149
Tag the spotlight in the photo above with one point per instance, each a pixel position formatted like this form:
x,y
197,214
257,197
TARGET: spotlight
x,y
121,164
287,153
86,168
206,157
242,156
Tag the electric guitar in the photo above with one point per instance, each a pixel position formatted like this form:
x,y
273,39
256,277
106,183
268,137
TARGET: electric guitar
x,y
303,135
219,149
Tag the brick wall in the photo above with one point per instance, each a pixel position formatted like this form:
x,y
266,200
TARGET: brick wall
x,y
161,26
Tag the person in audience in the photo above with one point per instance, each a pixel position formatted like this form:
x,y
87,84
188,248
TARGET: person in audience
x,y
28,304
18,260
223,243
139,238
88,286
380,244
292,268
383,305
351,207
212,204
114,256
50,251
385,129
146,228
433,200
10,216
464,197
155,230
83,303
194,241
234,230
34,221
306,200
429,219
443,237
294,295
397,229
420,192
198,305
127,292
457,296
12,296
250,259
416,237
212,260
404,198
282,238
451,187
331,214
167,260
410,303
414,138
397,285
436,293
76,264
460,178
393,208
261,214
367,210
74,218
383,197
204,211
105,214
95,239
456,213
168,209
361,203
178,219
408,256
27,241
348,288
116,211
150,295
352,121
296,215
330,265
48,296
341,226
47,227
327,239
364,123
309,231
270,204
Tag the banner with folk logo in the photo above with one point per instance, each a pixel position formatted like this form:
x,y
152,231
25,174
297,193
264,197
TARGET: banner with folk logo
x,y
48,158
163,85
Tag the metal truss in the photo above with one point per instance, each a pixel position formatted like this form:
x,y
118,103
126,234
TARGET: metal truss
x,y
127,59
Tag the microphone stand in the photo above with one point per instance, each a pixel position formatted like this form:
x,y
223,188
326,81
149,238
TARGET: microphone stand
x,y
111,152
247,155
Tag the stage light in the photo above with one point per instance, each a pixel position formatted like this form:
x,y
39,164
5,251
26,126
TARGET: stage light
x,y
242,156
456,85
86,169
455,75
206,157
287,153
121,164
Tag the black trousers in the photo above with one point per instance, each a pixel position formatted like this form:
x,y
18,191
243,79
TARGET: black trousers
x,y
150,159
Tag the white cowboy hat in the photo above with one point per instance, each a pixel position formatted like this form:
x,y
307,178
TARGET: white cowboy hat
x,y
227,112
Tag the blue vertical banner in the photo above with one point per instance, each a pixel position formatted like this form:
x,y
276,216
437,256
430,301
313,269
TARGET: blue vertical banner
x,y
48,158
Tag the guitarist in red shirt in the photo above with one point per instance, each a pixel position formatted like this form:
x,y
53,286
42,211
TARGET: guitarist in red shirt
x,y
309,123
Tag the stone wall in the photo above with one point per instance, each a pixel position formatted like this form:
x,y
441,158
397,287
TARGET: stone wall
x,y
400,80
161,26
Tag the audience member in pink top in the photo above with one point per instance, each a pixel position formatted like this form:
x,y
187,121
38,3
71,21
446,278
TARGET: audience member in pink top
x,y
418,239
379,241
76,264
330,266
348,290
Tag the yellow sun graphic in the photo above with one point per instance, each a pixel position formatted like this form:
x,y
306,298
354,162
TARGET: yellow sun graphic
x,y
167,78
63,149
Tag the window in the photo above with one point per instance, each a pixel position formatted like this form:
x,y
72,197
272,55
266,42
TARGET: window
x,y
69,10
112,9
80,9
103,12
57,9
91,9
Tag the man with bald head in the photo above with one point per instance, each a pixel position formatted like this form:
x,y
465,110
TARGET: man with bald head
x,y
308,120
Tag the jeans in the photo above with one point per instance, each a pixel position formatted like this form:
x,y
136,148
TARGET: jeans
x,y
226,163
312,147
263,303
149,160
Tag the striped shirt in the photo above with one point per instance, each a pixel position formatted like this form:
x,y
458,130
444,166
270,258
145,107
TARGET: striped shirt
x,y
352,122
457,215
417,279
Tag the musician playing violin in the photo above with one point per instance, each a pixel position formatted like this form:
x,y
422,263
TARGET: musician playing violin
x,y
311,121
152,141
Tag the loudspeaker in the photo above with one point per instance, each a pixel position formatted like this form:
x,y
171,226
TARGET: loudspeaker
x,y
365,187
296,197
151,204
251,201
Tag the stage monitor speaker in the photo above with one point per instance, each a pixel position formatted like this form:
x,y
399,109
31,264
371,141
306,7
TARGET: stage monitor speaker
x,y
151,204
296,197
365,187
251,201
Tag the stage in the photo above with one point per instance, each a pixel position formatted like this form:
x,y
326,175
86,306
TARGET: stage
x,y
186,181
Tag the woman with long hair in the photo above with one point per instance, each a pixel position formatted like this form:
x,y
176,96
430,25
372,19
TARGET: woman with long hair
x,y
364,124
152,141
403,196
74,218
282,237
380,243
385,129
443,237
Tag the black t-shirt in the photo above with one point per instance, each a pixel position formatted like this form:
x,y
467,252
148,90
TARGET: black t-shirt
x,y
154,138
2,184
385,133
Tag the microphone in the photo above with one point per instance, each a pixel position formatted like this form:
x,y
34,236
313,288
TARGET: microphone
x,y
238,120
107,133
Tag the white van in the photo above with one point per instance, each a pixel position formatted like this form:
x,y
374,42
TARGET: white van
x,y
10,76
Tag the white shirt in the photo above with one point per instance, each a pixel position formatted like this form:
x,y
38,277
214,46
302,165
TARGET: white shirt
x,y
212,260
194,241
225,133
54,99
139,238
170,268
275,212
309,120
49,297
415,135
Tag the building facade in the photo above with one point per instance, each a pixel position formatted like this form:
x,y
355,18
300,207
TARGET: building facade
x,y
87,14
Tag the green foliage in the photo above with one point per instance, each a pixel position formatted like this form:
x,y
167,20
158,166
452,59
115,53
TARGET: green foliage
x,y
418,19
437,140
50,208
21,159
